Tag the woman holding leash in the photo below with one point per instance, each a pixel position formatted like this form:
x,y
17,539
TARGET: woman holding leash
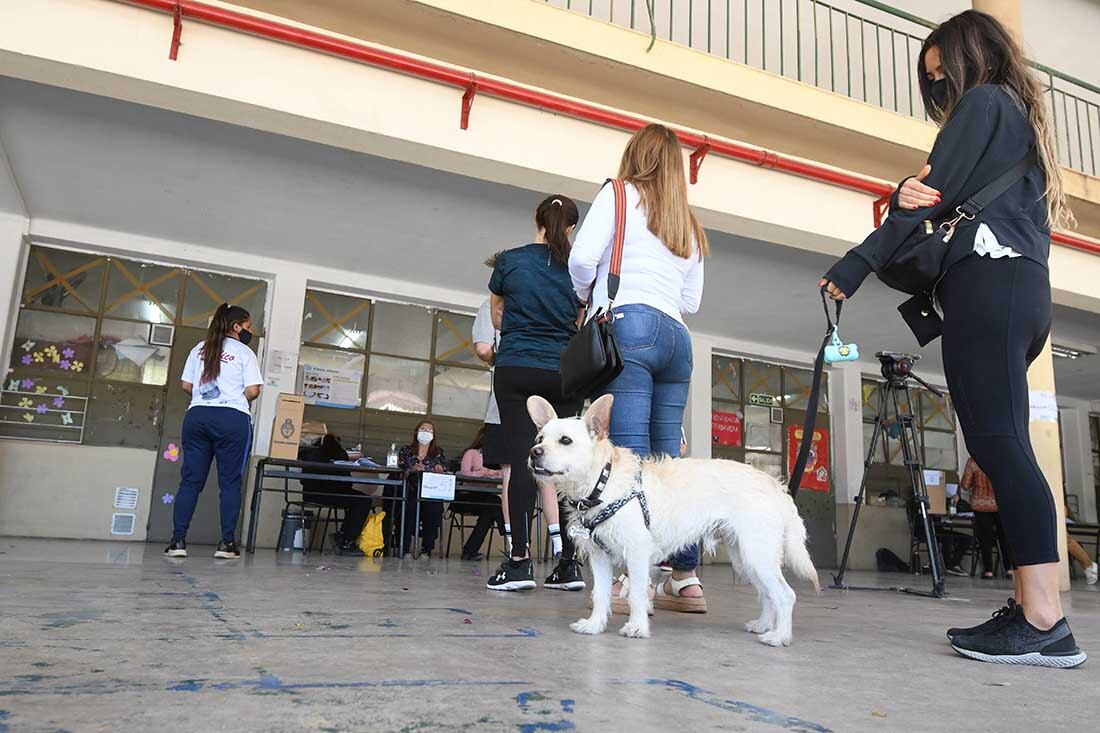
x,y
994,292
661,279
223,378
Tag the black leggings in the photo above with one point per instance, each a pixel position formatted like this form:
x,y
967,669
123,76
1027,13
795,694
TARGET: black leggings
x,y
996,321
512,386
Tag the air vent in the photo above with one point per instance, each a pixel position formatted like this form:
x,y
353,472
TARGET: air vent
x,y
161,334
123,524
126,498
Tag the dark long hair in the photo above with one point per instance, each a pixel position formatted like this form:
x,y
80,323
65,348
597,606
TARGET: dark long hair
x,y
414,446
225,317
555,215
479,440
975,48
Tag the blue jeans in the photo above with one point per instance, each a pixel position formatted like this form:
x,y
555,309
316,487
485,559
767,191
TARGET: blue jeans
x,y
652,391
209,432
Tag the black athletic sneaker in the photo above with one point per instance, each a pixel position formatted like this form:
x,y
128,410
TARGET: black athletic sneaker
x,y
1018,642
512,575
178,548
227,551
566,576
999,617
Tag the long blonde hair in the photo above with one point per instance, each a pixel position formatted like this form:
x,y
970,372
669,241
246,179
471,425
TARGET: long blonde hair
x,y
653,161
976,49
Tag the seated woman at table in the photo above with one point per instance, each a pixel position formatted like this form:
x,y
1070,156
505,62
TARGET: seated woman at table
x,y
1092,570
486,506
356,504
423,455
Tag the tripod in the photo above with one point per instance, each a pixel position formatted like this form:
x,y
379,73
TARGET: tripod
x,y
897,369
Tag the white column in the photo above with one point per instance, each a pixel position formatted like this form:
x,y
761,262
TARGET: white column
x,y
13,253
1077,458
697,414
284,333
846,417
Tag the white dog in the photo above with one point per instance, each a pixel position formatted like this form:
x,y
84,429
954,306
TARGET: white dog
x,y
640,511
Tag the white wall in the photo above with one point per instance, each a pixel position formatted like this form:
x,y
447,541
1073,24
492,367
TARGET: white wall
x,y
1062,34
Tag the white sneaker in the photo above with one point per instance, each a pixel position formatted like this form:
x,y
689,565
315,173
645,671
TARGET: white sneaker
x,y
1091,574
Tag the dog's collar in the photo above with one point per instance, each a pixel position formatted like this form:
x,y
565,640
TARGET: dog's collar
x,y
593,498
590,524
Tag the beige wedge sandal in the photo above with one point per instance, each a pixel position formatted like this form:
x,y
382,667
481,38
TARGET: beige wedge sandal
x,y
620,602
676,602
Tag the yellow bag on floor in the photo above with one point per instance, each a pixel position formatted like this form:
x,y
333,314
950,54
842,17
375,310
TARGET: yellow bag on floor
x,y
370,539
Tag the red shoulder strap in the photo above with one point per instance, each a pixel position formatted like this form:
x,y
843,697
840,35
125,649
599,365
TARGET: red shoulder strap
x,y
620,233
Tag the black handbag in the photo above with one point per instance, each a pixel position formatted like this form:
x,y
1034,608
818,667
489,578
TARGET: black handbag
x,y
916,265
591,360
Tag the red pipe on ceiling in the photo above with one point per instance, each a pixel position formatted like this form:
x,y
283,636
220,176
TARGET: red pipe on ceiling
x,y
363,53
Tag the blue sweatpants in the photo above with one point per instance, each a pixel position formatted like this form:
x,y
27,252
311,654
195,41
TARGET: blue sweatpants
x,y
224,433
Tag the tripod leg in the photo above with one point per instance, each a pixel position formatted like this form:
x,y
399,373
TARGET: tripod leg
x,y
838,579
909,447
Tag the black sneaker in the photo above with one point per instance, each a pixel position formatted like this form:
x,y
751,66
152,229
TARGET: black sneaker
x,y
227,551
1018,642
999,617
178,548
512,575
956,570
566,576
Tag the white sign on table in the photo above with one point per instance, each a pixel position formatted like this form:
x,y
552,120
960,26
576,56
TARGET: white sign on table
x,y
437,486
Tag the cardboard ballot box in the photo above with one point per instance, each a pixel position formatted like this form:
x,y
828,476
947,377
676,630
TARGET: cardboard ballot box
x,y
287,430
936,482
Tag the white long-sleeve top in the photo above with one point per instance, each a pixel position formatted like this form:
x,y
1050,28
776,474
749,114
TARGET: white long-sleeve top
x,y
650,273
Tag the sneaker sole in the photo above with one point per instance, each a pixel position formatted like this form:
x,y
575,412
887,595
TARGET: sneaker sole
x,y
1032,659
176,553
227,556
513,585
574,585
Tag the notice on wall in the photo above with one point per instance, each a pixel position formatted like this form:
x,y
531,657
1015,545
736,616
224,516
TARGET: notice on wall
x,y
280,368
725,428
437,486
328,387
1044,406
816,477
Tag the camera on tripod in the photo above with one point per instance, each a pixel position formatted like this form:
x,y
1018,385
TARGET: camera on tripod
x,y
896,366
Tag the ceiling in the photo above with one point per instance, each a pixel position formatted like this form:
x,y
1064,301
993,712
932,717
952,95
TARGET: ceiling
x,y
109,164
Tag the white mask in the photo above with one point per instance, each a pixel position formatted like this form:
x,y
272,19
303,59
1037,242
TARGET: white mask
x,y
424,437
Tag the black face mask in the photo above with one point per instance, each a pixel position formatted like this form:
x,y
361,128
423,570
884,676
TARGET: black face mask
x,y
937,90
245,337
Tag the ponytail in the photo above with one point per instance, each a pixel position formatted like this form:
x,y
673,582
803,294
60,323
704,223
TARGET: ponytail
x,y
225,317
554,216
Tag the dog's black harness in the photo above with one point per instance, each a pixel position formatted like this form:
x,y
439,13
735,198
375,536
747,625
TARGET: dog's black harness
x,y
590,524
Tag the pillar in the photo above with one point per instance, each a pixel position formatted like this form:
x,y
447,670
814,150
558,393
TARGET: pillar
x,y
13,228
284,329
1040,378
846,416
697,414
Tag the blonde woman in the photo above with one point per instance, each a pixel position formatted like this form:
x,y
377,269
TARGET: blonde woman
x,y
661,279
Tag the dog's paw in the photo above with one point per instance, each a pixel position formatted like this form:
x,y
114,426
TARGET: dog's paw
x,y
757,626
588,626
632,630
774,638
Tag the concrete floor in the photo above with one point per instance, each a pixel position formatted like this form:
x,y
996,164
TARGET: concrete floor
x,y
114,637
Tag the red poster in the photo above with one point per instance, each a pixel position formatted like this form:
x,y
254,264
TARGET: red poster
x,y
725,428
816,477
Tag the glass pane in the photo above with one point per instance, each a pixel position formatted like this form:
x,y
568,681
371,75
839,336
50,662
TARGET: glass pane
x,y
766,462
936,411
760,432
872,395
143,291
336,320
43,407
343,423
880,454
454,340
458,392
53,343
761,379
125,354
65,280
382,429
128,415
1094,430
796,387
727,452
725,378
939,450
205,291
399,385
726,425
331,377
402,330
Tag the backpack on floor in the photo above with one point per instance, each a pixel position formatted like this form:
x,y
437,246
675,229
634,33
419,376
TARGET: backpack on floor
x,y
888,562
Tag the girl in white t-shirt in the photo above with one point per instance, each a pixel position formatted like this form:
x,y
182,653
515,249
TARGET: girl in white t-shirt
x,y
223,378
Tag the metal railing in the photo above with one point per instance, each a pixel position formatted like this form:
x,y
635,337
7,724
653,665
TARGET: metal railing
x,y
863,49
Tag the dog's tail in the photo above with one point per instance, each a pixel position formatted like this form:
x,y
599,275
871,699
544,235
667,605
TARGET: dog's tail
x,y
795,555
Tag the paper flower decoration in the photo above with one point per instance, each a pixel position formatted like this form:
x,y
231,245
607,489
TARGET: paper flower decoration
x,y
38,357
28,417
66,418
41,409
63,390
51,351
25,403
168,498
68,353
77,366
28,345
27,383
13,385
40,389
64,363
59,402
27,360
173,453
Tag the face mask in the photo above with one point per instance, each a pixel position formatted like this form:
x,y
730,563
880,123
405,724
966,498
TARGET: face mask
x,y
937,90
245,337
424,437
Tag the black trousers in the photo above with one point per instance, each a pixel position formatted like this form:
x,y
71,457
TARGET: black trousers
x,y
356,506
996,321
512,386
988,530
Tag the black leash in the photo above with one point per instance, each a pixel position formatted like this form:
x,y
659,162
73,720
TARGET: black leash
x,y
815,397
593,498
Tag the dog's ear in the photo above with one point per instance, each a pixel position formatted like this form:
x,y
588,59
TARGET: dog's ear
x,y
540,410
598,416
